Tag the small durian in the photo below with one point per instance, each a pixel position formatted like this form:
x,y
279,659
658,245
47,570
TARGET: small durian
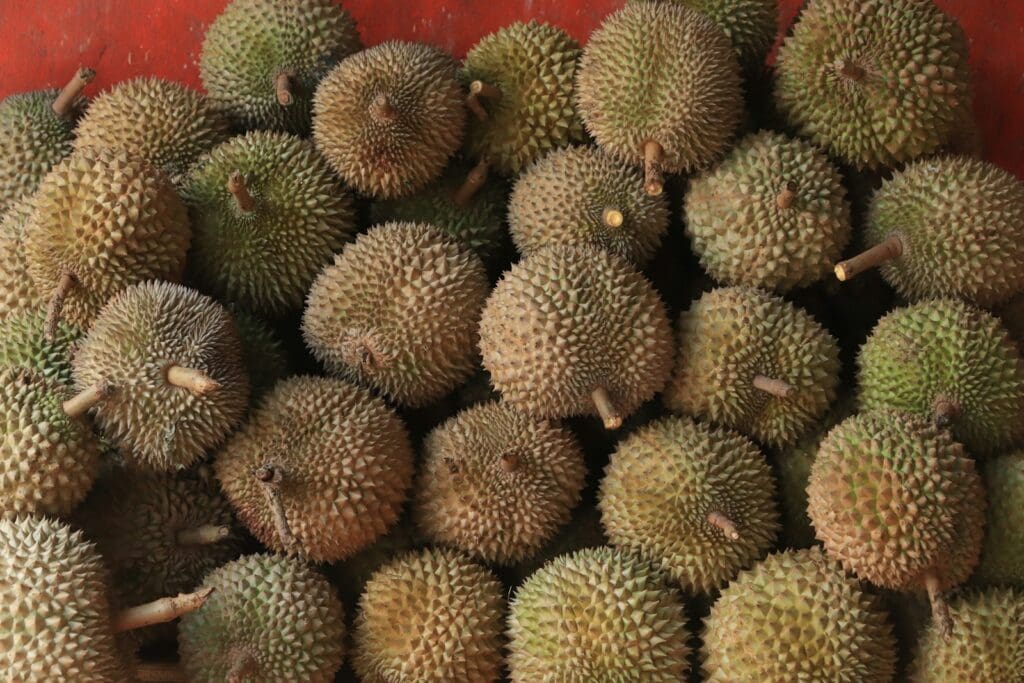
x,y
798,616
876,82
321,469
19,293
498,484
521,95
1002,553
751,25
432,616
263,353
398,311
173,361
267,215
659,85
583,196
270,618
952,363
772,215
24,344
576,331
755,363
389,118
262,59
599,614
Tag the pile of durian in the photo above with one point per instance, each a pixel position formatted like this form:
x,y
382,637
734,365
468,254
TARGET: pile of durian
x,y
632,362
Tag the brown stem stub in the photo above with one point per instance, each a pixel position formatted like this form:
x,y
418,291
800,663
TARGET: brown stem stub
x,y
775,387
361,350
55,309
654,172
612,217
510,461
851,70
243,665
477,90
64,101
726,525
206,534
944,411
888,250
159,611
283,88
940,608
196,381
87,399
606,409
238,188
787,196
382,109
159,672
475,179
270,477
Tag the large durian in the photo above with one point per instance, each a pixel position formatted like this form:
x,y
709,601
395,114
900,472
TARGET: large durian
x,y
19,293
24,344
750,24
1002,554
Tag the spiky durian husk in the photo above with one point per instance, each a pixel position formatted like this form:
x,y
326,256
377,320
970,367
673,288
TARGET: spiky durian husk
x,y
1012,313
263,354
252,41
389,118
751,25
19,294
1002,554
24,344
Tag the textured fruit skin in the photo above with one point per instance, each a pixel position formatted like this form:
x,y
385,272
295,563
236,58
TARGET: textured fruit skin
x,y
961,222
987,645
347,464
394,154
561,200
664,480
567,320
915,88
431,616
750,25
55,624
1002,554
498,484
266,259
662,72
142,331
534,66
275,609
893,497
48,461
109,219
947,350
398,311
19,294
1012,314
252,41
600,615
797,616
263,354
741,233
33,139
733,334
23,344
163,122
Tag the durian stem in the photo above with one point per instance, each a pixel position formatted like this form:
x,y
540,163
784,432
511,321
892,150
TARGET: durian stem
x,y
478,89
606,409
612,217
851,69
787,196
726,525
270,477
159,611
243,665
196,381
944,411
87,399
654,158
510,461
238,188
475,179
875,256
940,608
283,88
382,109
62,105
154,672
207,534
55,308
775,387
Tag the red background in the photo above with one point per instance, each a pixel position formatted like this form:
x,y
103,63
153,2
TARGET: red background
x,y
43,42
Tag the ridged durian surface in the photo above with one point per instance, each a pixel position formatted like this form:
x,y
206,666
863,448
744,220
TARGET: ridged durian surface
x,y
1002,554
750,24
19,293
23,344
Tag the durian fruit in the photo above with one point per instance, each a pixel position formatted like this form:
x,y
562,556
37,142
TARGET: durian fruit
x,y
750,24
576,331
698,501
497,483
659,85
600,615
583,196
19,293
755,363
946,227
773,214
952,363
263,354
987,645
1002,554
582,531
351,576
389,118
57,624
24,344
398,311
321,469
798,616
267,214
521,94
103,220
37,131
899,503
431,616
270,618
164,122
262,59
876,82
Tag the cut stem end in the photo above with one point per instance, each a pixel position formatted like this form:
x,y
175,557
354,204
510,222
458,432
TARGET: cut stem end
x,y
726,525
160,611
87,399
787,196
890,249
940,608
203,535
654,172
612,217
475,179
64,101
238,188
196,381
775,387
283,88
606,409
55,308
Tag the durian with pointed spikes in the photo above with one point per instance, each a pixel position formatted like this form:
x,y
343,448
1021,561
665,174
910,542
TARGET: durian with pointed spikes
x,y
1002,554
24,344
19,295
751,25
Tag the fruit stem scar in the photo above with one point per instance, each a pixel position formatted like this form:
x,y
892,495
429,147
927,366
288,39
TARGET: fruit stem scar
x,y
196,381
654,160
478,89
87,399
55,309
605,408
891,248
160,611
775,387
62,104
283,88
475,179
722,522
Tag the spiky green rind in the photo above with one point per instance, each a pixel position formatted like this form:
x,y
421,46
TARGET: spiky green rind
x,y
19,293
662,72
1002,554
961,222
276,610
534,66
662,483
743,235
750,24
946,350
263,354
562,199
733,334
252,41
893,498
23,344
265,259
600,615
909,85
797,616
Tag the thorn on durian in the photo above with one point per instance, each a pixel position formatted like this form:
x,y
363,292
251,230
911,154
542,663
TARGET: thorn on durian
x,y
55,308
475,179
891,248
238,188
787,196
87,399
606,409
478,89
196,381
62,104
159,611
723,523
654,173
283,88
775,387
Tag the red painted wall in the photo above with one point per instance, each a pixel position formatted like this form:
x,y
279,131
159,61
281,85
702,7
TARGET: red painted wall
x,y
44,41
